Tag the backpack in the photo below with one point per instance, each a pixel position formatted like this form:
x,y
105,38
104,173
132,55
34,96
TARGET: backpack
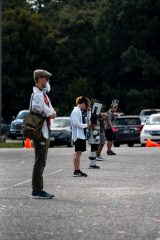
x,y
33,124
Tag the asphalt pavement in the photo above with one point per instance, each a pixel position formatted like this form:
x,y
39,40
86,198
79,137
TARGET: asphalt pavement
x,y
119,201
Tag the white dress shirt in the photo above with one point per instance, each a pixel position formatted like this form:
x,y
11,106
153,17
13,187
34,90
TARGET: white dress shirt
x,y
77,124
39,106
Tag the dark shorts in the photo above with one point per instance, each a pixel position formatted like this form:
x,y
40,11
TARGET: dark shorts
x,y
80,145
110,135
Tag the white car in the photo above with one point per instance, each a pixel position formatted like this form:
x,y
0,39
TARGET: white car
x,y
145,113
151,129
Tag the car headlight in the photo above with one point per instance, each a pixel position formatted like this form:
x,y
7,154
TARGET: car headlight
x,y
147,131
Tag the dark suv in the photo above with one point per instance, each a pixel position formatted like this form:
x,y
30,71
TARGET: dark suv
x,y
127,130
17,125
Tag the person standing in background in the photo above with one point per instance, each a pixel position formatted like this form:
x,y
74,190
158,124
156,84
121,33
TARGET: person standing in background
x,y
109,128
94,138
79,126
102,138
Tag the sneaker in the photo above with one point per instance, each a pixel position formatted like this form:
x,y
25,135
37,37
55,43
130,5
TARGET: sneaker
x,y
78,173
99,158
41,195
94,167
111,153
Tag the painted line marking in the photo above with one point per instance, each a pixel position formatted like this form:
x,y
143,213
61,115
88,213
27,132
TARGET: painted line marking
x,y
21,183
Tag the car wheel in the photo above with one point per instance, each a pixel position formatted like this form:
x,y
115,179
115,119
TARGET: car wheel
x,y
51,144
130,144
2,139
13,137
116,144
143,144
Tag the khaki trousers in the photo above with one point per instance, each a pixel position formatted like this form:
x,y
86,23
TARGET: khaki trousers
x,y
41,150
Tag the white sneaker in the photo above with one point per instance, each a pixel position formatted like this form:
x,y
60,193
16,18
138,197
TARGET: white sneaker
x,y
99,158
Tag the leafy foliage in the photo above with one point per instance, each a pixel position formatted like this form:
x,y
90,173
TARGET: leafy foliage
x,y
104,49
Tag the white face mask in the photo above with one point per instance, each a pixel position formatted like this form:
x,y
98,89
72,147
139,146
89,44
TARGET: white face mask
x,y
47,88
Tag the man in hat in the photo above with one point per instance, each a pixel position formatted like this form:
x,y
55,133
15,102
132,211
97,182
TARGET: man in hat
x,y
40,104
109,128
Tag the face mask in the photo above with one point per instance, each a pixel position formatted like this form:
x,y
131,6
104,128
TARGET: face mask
x,y
47,88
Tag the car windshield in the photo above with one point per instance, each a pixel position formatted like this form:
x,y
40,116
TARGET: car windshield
x,y
148,113
61,123
21,115
127,121
155,120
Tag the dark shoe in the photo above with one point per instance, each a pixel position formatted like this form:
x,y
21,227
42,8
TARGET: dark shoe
x,y
79,173
111,153
94,167
41,195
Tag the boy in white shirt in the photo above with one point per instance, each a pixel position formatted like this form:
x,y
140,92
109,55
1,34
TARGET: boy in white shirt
x,y
79,126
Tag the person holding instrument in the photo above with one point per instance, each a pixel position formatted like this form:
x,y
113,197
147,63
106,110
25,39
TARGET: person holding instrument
x,y
94,139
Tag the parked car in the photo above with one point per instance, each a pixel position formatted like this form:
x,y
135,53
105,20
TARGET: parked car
x,y
128,129
145,113
151,129
5,128
61,131
17,124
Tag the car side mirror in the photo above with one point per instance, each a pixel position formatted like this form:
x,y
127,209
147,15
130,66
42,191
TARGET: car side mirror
x,y
13,118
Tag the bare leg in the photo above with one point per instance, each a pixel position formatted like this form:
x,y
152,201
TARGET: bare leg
x,y
76,160
109,145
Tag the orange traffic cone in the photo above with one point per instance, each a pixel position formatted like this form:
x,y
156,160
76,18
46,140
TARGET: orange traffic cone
x,y
28,143
150,143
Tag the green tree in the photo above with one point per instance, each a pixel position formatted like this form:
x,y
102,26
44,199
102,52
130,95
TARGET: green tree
x,y
40,6
103,48
128,50
22,39
12,4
